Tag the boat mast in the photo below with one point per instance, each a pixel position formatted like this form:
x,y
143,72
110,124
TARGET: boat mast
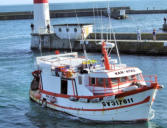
x,y
111,30
83,40
94,20
101,25
106,60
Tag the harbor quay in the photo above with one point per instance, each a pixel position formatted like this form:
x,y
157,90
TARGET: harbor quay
x,y
127,43
115,12
75,36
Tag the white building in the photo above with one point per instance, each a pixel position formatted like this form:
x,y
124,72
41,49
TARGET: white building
x,y
72,31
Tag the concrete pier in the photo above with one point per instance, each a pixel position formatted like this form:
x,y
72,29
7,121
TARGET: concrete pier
x,y
129,36
15,15
164,27
115,13
146,47
145,11
128,45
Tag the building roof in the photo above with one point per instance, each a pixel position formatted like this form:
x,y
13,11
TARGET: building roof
x,y
71,24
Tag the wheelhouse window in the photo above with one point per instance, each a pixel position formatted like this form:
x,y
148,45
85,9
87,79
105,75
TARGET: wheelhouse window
x,y
130,78
114,81
123,79
79,79
139,77
93,81
135,77
100,81
107,83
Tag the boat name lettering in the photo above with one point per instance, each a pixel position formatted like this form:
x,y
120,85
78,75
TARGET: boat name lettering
x,y
117,102
126,71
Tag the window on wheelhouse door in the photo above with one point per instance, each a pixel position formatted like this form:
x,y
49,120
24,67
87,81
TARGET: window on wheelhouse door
x,y
80,80
64,86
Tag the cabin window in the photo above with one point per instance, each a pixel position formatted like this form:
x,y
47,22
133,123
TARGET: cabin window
x,y
67,29
100,81
93,81
122,79
60,29
138,76
107,82
134,77
64,86
114,81
130,78
79,79
75,29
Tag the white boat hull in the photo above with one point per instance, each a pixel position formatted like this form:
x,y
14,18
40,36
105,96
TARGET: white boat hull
x,y
134,107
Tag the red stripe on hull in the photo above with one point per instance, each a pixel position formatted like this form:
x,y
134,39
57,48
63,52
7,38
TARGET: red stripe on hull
x,y
104,109
118,95
40,1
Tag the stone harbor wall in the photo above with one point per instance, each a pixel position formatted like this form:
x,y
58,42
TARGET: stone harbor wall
x,y
127,43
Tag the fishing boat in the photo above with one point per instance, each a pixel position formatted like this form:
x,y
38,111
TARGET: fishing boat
x,y
104,91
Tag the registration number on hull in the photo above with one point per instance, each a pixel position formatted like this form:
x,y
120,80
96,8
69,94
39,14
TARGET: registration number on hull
x,y
117,102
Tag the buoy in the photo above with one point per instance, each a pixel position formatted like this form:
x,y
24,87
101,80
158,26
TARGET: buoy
x,y
57,52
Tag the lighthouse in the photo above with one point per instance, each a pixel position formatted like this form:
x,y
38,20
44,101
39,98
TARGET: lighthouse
x,y
41,16
62,36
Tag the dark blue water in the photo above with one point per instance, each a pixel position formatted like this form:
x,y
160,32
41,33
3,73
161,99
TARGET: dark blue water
x,y
17,63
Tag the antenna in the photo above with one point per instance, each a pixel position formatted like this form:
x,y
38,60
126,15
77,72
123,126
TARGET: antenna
x,y
40,45
111,28
83,40
94,20
98,18
69,37
77,19
101,26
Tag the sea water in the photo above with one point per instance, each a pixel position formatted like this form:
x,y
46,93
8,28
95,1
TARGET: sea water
x,y
17,63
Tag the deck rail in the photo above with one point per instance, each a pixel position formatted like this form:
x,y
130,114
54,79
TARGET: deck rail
x,y
150,79
131,85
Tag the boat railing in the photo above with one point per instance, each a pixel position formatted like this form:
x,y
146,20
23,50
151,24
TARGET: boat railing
x,y
58,57
118,66
99,67
112,90
150,79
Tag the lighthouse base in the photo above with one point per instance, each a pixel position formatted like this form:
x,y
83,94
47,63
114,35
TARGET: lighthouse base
x,y
147,46
164,27
52,42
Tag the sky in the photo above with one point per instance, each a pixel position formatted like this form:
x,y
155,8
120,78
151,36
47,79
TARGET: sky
x,y
15,2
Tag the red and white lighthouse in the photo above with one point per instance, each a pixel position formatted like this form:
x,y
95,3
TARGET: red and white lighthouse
x,y
41,16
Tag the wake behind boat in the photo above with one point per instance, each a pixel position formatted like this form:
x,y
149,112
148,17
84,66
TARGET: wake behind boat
x,y
79,86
